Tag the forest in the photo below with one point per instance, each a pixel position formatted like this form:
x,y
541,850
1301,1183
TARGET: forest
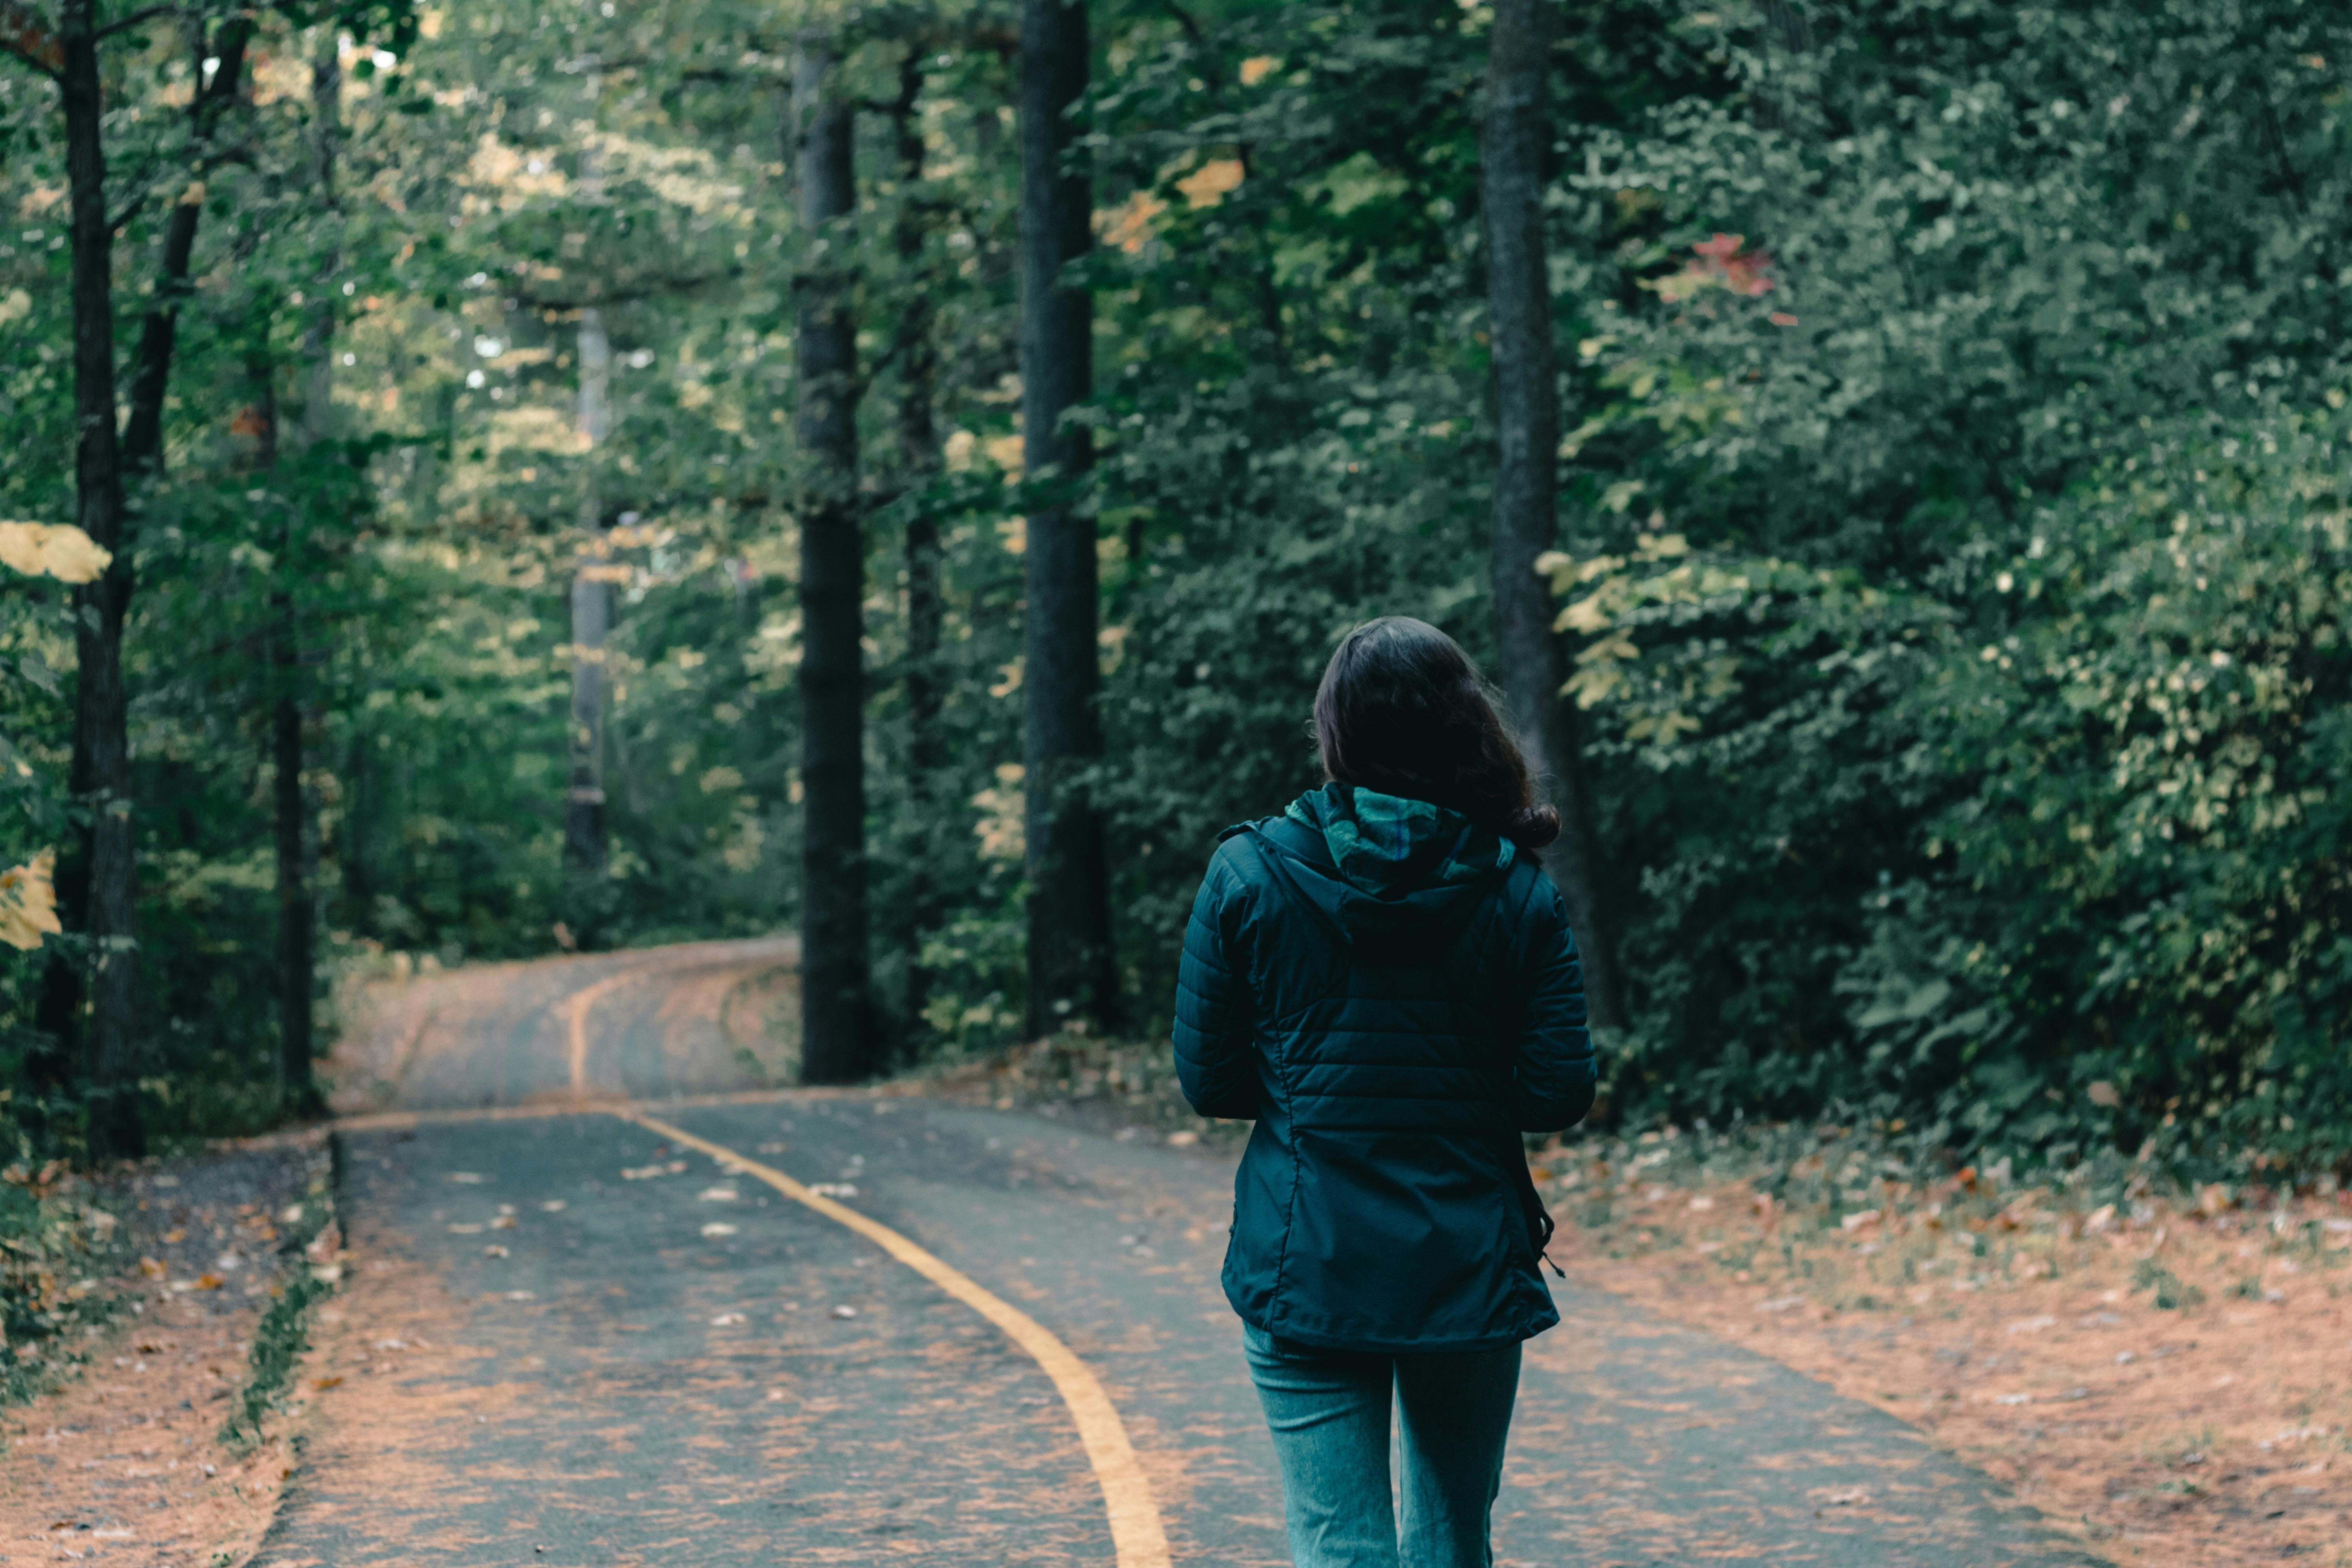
x,y
538,476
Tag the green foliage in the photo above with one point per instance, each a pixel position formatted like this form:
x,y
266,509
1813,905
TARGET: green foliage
x,y
55,1249
1952,567
1978,747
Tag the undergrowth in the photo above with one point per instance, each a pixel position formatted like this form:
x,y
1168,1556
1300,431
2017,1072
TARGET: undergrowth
x,y
57,1250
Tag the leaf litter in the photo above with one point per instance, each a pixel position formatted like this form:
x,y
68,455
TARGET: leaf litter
x,y
2165,1376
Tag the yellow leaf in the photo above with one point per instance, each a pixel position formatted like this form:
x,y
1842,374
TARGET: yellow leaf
x,y
1206,186
28,902
1585,616
1615,650
1257,67
1672,724
57,549
1593,683
1129,224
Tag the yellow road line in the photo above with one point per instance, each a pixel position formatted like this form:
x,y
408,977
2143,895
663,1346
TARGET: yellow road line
x,y
575,1007
1135,1531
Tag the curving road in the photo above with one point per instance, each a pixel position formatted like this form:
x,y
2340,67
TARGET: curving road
x,y
621,1309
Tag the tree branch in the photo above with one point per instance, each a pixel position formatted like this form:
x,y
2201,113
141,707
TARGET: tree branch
x,y
140,18
26,34
1185,20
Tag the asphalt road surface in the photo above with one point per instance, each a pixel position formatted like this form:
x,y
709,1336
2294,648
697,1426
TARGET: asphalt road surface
x,y
862,1327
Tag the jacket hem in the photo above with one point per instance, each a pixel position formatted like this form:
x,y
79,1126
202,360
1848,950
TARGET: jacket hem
x,y
1406,1345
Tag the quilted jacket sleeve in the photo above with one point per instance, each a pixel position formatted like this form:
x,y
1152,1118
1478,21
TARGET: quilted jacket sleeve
x,y
1552,1070
1215,1013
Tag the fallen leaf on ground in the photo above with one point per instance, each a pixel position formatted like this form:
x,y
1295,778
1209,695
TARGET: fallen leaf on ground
x,y
209,1281
715,1228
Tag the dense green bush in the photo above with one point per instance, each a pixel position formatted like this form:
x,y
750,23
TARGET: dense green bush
x,y
2099,846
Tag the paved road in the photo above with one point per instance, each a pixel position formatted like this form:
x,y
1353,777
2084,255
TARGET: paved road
x,y
572,1338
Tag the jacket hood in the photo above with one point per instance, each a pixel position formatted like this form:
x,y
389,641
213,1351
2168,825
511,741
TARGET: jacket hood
x,y
1401,869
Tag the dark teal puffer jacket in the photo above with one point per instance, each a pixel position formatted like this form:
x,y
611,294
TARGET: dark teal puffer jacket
x,y
1394,996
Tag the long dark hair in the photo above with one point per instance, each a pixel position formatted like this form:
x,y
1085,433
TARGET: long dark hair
x,y
1402,711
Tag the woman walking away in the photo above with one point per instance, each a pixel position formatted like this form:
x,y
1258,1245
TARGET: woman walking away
x,y
1383,979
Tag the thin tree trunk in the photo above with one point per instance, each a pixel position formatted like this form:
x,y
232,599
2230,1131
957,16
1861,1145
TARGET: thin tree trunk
x,y
1526,472
592,593
837,986
100,775
150,371
1072,972
290,817
918,450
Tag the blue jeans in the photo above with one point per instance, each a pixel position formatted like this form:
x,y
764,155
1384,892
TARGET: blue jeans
x,y
1328,1412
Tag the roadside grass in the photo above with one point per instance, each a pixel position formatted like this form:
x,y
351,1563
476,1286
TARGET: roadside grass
x,y
307,1273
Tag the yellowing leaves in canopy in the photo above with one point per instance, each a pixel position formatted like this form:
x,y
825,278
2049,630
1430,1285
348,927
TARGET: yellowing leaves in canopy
x,y
28,902
1129,224
55,549
1206,186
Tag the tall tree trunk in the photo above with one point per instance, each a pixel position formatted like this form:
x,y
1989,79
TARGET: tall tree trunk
x,y
836,984
1072,972
1527,470
101,776
591,594
99,886
918,454
297,911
